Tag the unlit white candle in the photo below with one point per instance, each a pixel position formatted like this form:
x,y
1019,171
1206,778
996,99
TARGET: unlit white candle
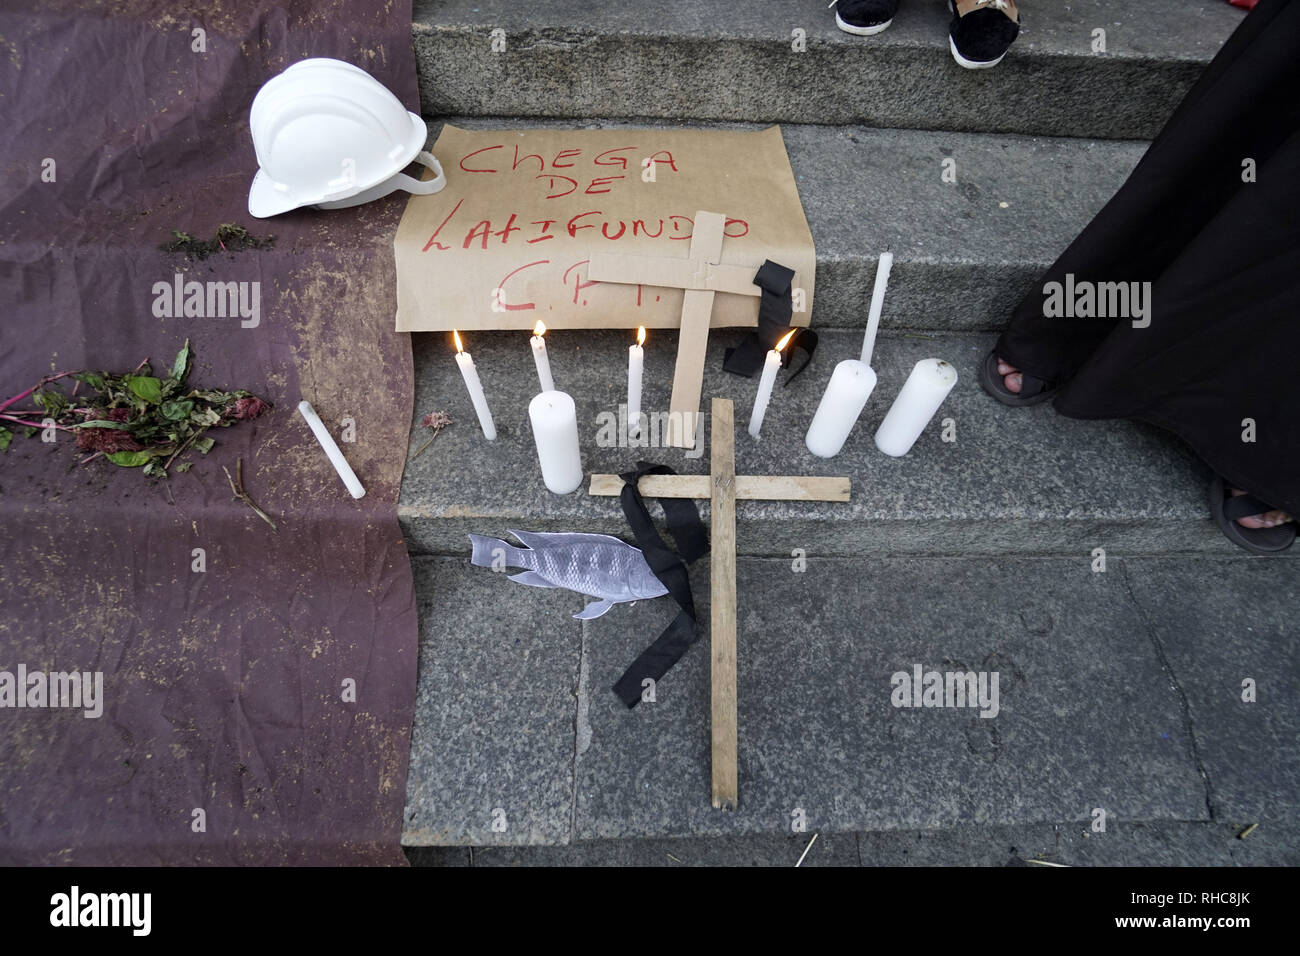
x,y
555,430
764,396
543,363
923,392
635,371
332,450
470,374
845,396
877,305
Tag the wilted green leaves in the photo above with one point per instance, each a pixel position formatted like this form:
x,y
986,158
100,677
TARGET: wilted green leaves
x,y
146,387
229,238
139,420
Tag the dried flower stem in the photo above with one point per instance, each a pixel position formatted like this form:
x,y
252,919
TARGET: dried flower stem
x,y
186,444
37,387
19,421
424,446
437,421
242,495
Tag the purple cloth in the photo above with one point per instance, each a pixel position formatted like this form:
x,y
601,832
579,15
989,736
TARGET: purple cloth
x,y
224,689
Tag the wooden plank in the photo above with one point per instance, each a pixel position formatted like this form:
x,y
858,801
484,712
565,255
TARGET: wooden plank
x,y
748,487
672,273
697,314
688,375
722,609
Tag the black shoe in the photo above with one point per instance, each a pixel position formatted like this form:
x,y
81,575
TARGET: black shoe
x,y
864,18
982,31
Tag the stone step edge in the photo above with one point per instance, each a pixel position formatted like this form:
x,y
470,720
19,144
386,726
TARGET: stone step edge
x,y
413,838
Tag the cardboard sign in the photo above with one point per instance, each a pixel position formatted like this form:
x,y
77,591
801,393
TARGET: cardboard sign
x,y
526,214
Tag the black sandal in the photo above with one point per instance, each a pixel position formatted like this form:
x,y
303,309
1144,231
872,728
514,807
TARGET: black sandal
x,y
1032,389
1227,508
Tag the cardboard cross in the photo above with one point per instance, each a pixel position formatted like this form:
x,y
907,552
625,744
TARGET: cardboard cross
x,y
722,486
701,274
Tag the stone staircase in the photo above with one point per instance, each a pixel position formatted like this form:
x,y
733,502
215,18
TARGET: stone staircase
x,y
1120,688
684,60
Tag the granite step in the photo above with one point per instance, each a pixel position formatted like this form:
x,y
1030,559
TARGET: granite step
x,y
681,59
1042,844
1118,690
965,252
1012,482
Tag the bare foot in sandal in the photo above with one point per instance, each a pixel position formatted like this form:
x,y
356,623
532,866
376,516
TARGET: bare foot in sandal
x,y
1269,519
1010,376
1009,385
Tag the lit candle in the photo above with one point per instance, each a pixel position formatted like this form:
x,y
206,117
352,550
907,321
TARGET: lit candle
x,y
846,395
923,392
555,430
765,384
331,450
540,357
877,305
470,374
635,368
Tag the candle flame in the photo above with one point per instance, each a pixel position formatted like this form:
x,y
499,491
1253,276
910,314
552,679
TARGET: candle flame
x,y
640,336
456,335
780,346
539,328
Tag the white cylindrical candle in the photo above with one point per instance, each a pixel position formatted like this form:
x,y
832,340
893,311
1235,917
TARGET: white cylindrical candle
x,y
470,374
541,359
332,450
877,305
770,365
846,395
765,383
555,429
923,392
635,370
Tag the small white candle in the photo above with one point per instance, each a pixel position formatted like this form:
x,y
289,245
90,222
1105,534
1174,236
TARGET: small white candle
x,y
332,450
635,370
765,383
470,375
923,392
555,430
877,305
540,357
846,395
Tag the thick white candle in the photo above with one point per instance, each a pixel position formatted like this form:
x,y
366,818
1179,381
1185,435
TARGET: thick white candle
x,y
470,374
541,359
555,429
923,392
332,450
846,395
635,370
765,383
877,305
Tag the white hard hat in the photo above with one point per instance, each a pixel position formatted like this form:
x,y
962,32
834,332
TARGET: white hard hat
x,y
329,134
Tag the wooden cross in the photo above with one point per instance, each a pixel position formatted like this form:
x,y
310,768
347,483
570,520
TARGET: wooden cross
x,y
701,274
723,487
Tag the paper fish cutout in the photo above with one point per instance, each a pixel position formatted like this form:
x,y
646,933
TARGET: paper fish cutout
x,y
597,565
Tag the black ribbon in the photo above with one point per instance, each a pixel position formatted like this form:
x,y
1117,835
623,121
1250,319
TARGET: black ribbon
x,y
692,542
775,308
